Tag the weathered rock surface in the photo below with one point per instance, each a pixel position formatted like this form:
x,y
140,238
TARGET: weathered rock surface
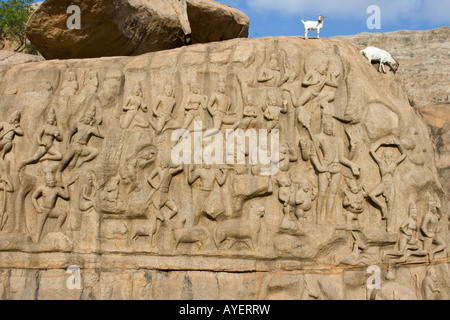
x,y
425,67
89,177
8,57
131,27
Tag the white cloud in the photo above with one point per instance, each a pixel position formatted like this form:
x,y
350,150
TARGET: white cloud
x,y
348,9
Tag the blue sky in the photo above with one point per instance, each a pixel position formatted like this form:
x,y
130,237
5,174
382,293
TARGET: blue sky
x,y
343,17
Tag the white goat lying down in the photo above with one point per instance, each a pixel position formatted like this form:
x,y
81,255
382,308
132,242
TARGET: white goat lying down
x,y
313,25
382,56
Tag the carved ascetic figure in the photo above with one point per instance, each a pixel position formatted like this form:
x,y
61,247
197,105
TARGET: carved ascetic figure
x,y
304,199
430,287
46,150
326,157
271,76
133,104
430,230
91,83
8,130
386,187
408,240
163,109
222,113
78,152
194,104
353,201
162,197
209,201
49,193
70,84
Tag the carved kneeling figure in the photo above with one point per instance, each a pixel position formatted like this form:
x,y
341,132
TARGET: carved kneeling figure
x,y
238,230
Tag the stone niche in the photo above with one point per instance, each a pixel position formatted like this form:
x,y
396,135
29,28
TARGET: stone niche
x,y
90,182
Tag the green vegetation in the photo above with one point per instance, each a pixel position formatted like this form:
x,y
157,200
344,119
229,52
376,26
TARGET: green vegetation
x,y
14,16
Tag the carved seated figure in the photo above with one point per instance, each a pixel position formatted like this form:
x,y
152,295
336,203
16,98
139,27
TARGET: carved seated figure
x,y
132,105
353,201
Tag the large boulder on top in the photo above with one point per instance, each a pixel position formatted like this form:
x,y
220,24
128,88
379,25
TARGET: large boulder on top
x,y
131,27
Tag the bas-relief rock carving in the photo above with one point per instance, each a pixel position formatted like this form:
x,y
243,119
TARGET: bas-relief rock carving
x,y
91,172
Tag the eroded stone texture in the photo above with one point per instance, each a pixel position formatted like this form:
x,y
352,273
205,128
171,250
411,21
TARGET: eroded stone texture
x,y
90,177
132,27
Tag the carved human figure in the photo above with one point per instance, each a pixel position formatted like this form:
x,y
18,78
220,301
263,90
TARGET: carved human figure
x,y
194,104
327,153
272,110
386,187
162,110
70,85
222,113
91,83
287,155
314,82
304,199
137,161
5,186
353,201
430,230
90,223
250,115
133,104
430,287
285,194
162,197
49,193
209,201
271,76
78,152
8,130
46,150
408,241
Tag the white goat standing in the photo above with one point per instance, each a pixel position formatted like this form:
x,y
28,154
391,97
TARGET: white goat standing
x,y
313,25
382,56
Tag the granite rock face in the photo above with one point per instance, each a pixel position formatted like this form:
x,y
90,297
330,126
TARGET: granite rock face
x,y
320,183
425,66
131,27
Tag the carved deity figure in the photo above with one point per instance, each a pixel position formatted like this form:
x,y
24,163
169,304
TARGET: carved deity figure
x,y
46,150
162,196
78,152
353,201
386,187
272,110
314,81
222,113
91,83
70,85
163,109
194,104
8,130
250,115
209,200
304,199
408,241
49,193
132,105
327,154
271,76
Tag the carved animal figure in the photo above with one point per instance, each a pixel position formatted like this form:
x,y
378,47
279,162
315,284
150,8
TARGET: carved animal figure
x,y
181,234
382,56
313,25
239,230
